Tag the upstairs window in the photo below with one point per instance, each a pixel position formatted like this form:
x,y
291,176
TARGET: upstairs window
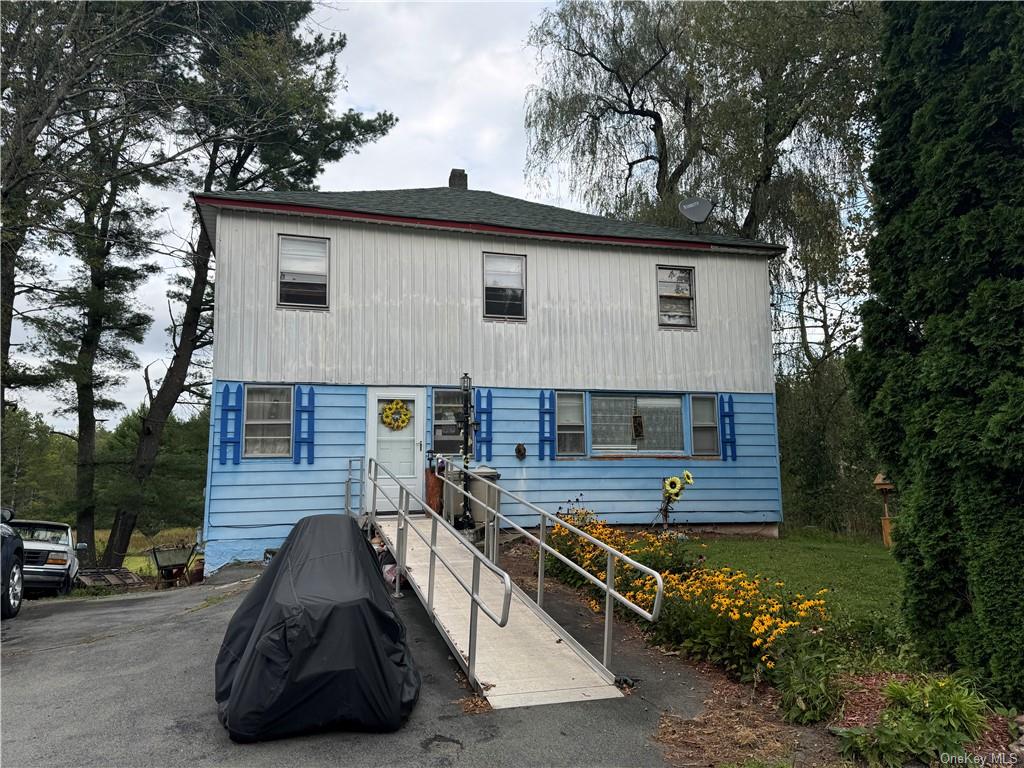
x,y
570,426
705,425
447,433
504,286
302,271
626,423
268,421
675,297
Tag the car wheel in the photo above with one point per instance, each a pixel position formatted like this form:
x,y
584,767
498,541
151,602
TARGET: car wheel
x,y
65,586
10,600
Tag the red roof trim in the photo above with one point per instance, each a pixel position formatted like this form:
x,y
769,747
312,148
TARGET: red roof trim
x,y
441,224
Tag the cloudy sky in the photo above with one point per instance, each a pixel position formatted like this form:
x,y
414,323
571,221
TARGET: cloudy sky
x,y
455,74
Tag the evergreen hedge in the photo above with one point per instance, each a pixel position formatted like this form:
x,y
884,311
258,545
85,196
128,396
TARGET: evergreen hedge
x,y
941,367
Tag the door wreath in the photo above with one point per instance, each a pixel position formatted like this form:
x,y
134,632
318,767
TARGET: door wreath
x,y
396,415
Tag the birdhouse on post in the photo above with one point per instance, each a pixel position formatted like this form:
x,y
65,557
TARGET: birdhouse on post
x,y
884,486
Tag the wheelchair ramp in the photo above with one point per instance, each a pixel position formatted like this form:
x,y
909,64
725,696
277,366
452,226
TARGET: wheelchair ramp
x,y
529,661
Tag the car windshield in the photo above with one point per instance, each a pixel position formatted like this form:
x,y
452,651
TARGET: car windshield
x,y
47,533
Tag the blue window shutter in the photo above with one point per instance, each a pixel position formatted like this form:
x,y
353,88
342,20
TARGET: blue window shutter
x,y
231,423
546,425
484,409
727,426
304,429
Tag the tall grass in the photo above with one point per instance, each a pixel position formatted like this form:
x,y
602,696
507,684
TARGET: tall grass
x,y
140,543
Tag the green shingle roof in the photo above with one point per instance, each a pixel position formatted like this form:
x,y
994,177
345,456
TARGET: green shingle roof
x,y
471,206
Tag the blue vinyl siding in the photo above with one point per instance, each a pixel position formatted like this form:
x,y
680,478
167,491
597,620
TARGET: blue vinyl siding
x,y
252,505
628,490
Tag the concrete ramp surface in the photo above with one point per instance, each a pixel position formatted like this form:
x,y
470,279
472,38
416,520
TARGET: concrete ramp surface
x,y
529,661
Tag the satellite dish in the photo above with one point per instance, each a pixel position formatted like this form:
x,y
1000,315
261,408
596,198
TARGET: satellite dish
x,y
696,209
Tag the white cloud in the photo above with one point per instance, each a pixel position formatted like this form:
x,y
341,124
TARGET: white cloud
x,y
455,74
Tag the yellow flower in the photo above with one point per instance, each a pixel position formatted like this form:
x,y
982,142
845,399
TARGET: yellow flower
x,y
673,486
687,477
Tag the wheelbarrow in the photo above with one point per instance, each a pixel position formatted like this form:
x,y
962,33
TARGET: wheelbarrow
x,y
172,563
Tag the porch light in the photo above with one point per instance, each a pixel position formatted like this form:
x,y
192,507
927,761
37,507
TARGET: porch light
x,y
466,383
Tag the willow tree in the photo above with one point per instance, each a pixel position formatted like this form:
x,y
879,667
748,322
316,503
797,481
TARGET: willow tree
x,y
760,107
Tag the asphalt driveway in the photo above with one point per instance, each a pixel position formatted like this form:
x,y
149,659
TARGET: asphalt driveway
x,y
128,681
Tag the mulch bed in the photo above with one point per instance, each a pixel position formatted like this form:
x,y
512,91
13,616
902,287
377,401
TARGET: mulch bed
x,y
864,701
739,725
994,742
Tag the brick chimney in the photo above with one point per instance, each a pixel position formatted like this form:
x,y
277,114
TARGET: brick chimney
x,y
458,179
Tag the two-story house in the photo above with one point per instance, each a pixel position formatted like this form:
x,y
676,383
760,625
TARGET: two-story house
x,y
614,353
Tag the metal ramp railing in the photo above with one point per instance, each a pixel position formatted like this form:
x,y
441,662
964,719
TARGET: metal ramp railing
x,y
400,551
353,479
528,658
492,527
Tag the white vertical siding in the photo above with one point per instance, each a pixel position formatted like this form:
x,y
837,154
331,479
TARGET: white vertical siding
x,y
406,307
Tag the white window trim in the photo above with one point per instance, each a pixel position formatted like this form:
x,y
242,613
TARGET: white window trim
x,y
433,417
483,296
583,425
693,298
277,282
694,425
291,422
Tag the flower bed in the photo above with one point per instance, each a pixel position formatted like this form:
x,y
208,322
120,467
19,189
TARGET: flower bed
x,y
756,629
749,625
742,622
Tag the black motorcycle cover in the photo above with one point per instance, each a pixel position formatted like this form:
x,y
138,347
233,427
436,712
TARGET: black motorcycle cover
x,y
316,643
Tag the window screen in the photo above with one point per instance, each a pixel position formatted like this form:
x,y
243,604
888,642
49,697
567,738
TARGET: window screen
x,y
268,421
302,265
705,425
646,423
447,435
504,286
570,425
675,297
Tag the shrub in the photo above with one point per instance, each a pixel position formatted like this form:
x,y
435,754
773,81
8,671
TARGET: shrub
x,y
806,677
871,633
923,719
938,371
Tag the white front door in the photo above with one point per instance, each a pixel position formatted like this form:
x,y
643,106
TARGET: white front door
x,y
397,445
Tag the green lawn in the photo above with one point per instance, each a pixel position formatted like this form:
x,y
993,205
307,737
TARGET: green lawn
x,y
861,578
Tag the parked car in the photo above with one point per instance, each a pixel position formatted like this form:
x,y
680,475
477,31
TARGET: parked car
x,y
50,561
12,554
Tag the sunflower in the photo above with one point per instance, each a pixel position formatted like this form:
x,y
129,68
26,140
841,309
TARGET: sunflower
x,y
395,415
687,477
673,486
